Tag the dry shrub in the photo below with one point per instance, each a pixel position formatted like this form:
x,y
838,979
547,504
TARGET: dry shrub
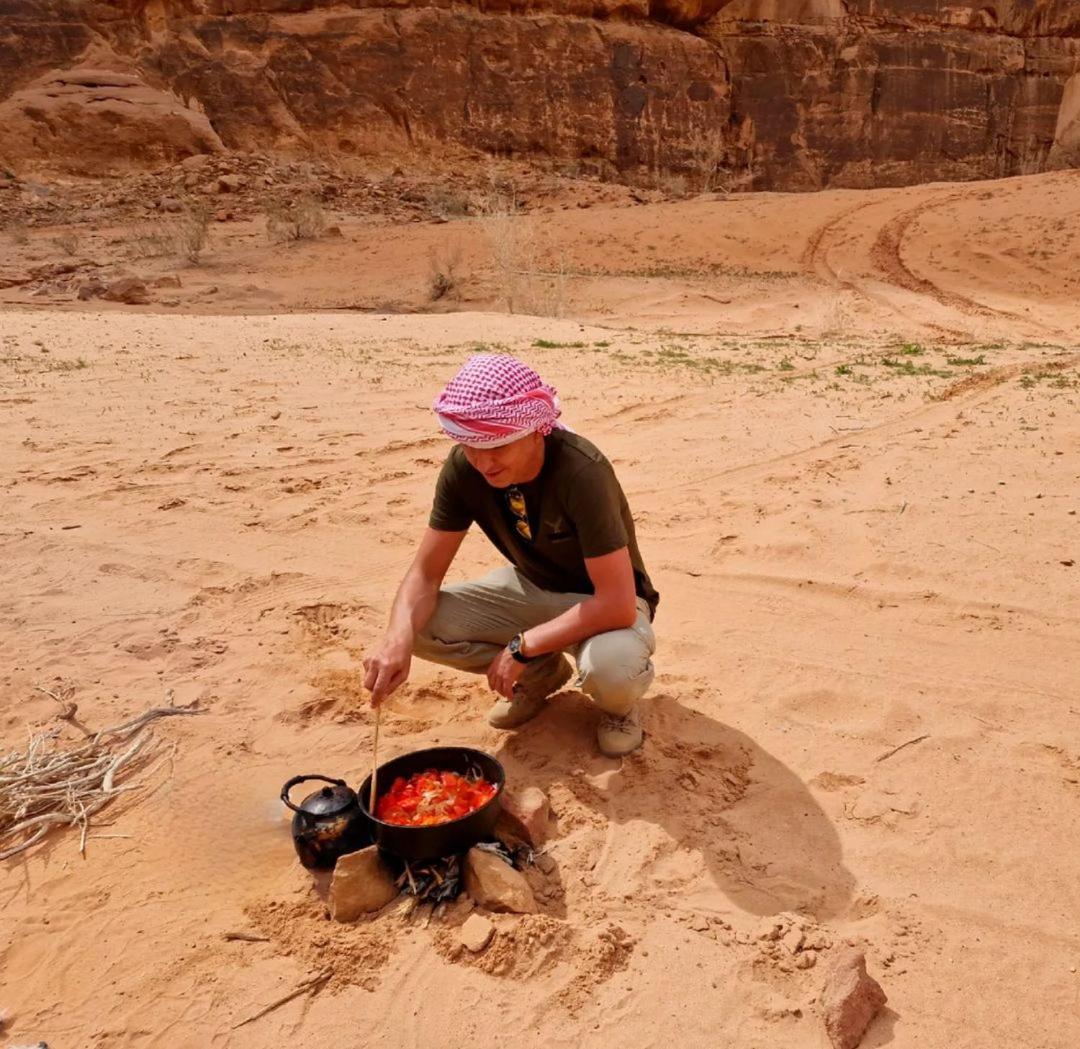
x,y
148,241
710,156
717,163
184,234
510,241
299,219
446,202
189,230
674,187
529,271
443,276
550,296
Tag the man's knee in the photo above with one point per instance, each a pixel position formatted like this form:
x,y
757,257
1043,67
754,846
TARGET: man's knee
x,y
447,625
616,670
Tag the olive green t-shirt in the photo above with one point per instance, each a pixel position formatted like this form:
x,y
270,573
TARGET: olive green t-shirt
x,y
575,509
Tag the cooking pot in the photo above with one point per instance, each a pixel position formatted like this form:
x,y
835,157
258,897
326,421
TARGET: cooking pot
x,y
443,839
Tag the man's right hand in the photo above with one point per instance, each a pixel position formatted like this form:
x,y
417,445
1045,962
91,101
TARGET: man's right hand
x,y
386,669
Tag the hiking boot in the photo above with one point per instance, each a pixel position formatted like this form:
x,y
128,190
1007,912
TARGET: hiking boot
x,y
618,736
529,700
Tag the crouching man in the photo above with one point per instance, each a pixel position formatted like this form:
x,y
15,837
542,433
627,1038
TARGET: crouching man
x,y
575,584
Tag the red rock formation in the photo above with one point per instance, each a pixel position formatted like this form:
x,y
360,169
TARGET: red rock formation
x,y
94,122
784,94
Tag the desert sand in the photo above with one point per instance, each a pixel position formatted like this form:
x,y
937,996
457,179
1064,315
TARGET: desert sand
x,y
848,427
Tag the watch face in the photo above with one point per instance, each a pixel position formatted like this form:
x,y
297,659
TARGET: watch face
x,y
515,644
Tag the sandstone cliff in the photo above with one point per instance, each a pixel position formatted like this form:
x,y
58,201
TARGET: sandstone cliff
x,y
768,94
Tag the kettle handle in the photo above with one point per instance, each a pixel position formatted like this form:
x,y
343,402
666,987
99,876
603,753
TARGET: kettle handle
x,y
300,779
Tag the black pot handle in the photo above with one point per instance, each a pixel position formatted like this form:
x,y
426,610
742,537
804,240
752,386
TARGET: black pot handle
x,y
300,779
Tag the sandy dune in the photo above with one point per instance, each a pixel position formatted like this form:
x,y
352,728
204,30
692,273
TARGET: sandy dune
x,y
862,539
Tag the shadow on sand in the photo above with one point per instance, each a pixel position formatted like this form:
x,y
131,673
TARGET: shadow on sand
x,y
709,788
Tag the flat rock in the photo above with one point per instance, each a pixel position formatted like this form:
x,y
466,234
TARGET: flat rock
x,y
361,884
525,816
127,289
850,999
495,885
476,933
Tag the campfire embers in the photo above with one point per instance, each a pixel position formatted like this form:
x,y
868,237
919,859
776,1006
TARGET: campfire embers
x,y
442,880
431,881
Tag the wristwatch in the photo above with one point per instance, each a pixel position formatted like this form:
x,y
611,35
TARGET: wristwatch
x,y
515,646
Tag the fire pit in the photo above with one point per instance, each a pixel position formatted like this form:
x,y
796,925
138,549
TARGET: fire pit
x,y
443,839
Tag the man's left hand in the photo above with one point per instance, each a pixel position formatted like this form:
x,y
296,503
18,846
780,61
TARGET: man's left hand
x,y
503,673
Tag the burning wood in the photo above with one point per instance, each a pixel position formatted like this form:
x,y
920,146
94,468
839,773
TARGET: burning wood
x,y
442,880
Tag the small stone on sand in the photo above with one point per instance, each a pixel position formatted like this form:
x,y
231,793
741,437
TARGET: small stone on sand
x,y
850,1000
525,816
477,932
495,885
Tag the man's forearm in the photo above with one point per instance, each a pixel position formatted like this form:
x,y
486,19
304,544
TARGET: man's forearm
x,y
590,617
413,606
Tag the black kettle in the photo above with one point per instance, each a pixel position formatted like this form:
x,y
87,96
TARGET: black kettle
x,y
328,823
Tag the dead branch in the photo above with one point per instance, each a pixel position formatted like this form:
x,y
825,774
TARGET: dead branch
x,y
47,786
907,743
313,985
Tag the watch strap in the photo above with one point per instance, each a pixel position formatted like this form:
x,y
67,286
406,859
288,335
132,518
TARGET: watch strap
x,y
515,648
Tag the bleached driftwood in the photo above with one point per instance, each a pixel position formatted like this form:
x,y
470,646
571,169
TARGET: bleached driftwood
x,y
47,786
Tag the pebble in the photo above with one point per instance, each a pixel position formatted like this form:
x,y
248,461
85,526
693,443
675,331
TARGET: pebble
x,y
699,923
477,932
793,940
545,862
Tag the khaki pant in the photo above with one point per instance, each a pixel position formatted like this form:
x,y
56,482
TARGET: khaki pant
x,y
473,621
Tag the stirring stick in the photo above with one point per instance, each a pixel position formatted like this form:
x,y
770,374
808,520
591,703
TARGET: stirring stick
x,y
374,761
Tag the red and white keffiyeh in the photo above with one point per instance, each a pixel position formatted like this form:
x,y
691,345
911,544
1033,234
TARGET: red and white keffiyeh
x,y
495,399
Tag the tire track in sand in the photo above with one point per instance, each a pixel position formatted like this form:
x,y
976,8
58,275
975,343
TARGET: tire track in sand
x,y
815,258
887,254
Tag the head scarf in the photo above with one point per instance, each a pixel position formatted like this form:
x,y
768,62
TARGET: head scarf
x,y
495,399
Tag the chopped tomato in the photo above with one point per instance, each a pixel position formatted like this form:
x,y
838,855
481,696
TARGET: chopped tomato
x,y
432,797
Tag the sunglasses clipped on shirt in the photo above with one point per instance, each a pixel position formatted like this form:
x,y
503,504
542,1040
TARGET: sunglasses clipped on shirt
x,y
515,500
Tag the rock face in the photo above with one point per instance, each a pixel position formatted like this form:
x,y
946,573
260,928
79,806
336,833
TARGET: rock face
x,y
96,122
781,94
850,1000
1066,149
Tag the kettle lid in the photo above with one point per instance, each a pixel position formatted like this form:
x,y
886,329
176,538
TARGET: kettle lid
x,y
330,800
